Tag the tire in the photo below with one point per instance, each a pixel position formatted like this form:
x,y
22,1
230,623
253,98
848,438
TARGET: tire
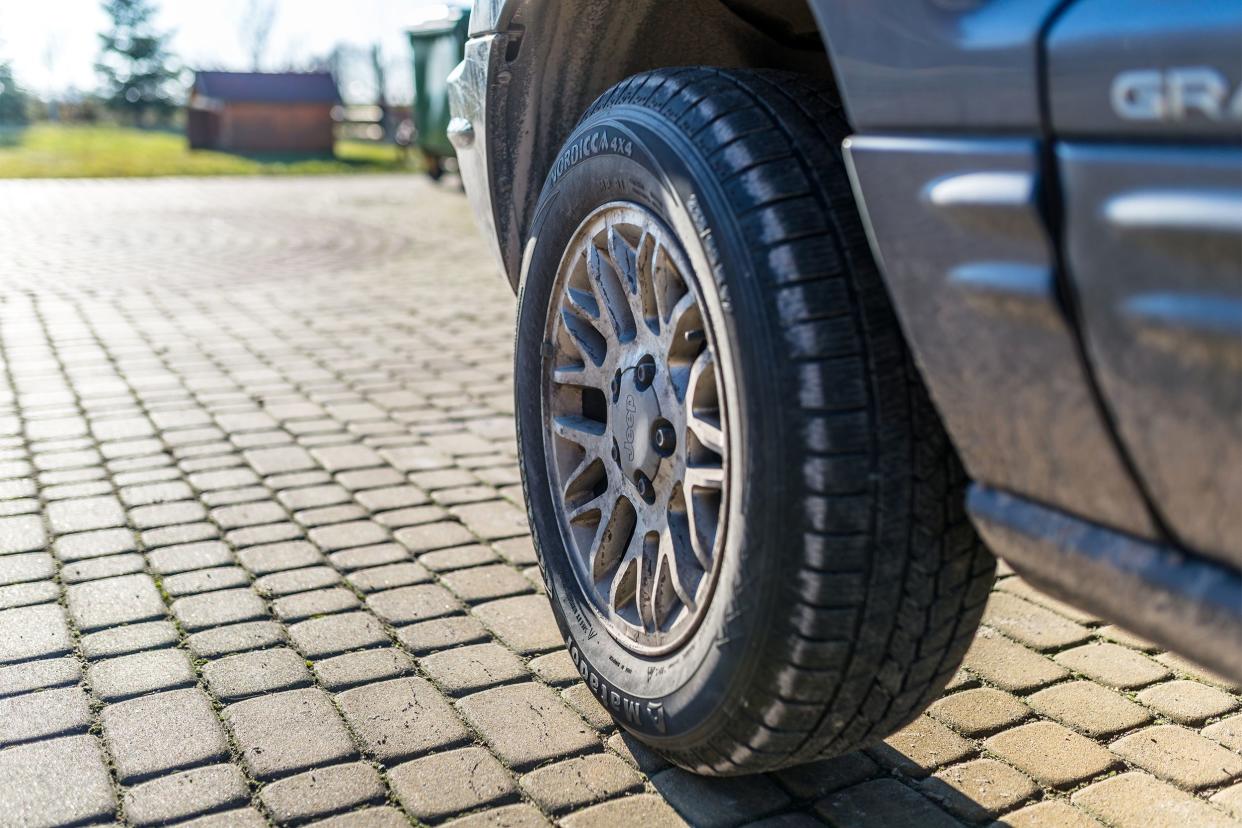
x,y
849,582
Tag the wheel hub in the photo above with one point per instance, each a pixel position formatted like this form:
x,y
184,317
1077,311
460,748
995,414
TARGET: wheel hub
x,y
635,414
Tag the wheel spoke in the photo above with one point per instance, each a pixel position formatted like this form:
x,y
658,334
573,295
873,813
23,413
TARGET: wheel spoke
x,y
634,265
588,433
704,477
611,295
680,566
703,405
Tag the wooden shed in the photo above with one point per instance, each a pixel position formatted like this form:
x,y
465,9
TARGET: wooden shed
x,y
262,112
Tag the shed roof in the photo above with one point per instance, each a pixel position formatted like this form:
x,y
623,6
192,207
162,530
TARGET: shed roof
x,y
268,87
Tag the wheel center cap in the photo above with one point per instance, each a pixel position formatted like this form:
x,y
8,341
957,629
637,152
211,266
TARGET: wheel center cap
x,y
634,413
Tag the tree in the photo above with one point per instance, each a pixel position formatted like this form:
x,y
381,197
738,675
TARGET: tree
x,y
140,76
13,100
256,28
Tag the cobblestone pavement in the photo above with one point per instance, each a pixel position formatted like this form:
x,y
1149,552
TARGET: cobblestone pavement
x,y
263,559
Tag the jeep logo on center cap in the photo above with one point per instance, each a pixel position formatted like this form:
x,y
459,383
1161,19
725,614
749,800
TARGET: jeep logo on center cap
x,y
631,419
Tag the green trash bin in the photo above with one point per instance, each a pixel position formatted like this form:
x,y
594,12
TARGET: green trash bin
x,y
438,47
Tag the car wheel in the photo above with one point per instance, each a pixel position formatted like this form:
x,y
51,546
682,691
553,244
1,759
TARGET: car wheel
x,y
749,518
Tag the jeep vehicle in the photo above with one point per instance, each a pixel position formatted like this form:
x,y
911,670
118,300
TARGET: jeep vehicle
x,y
821,303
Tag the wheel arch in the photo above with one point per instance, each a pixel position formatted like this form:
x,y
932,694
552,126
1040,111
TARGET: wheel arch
x,y
556,56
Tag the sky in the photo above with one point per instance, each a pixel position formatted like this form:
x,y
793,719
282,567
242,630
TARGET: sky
x,y
53,44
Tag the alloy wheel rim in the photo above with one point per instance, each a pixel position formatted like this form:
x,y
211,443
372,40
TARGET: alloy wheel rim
x,y
636,426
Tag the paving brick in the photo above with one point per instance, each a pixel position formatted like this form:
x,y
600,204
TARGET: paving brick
x,y
816,779
38,675
298,580
318,602
979,789
580,698
205,580
469,669
493,520
167,514
518,551
248,514
922,746
1008,665
347,535
415,458
585,780
186,794
486,583
1187,702
883,802
235,638
1051,813
527,724
288,732
33,632
389,576
97,568
1032,625
113,601
153,493
171,560
408,605
183,533
1230,799
363,667
57,781
1184,668
457,557
401,719
979,711
1089,708
367,556
411,516
23,595
240,818
345,458
276,557
322,791
229,606
141,673
252,673
321,637
93,544
555,668
433,536
1227,731
524,623
442,634
279,460
1181,756
392,497
23,533
455,781
137,732
1053,755
1113,665
1126,638
31,566
506,816
85,514
259,535
1136,800
43,714
131,638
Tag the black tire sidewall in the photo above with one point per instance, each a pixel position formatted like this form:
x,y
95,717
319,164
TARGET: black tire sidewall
x,y
632,154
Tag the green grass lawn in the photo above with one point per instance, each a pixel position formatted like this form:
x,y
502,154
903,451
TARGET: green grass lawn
x,y
63,151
